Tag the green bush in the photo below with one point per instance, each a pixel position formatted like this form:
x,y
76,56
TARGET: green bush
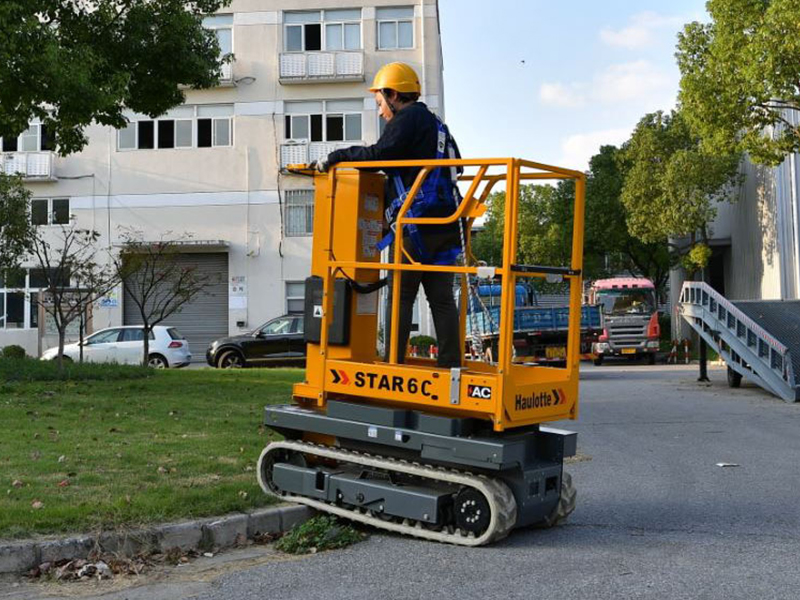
x,y
29,369
422,343
13,351
323,532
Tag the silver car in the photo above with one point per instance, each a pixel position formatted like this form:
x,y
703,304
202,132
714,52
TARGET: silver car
x,y
125,345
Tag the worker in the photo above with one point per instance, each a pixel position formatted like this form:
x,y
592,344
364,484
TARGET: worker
x,y
413,132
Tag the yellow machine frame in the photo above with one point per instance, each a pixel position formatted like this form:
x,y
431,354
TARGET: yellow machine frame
x,y
506,393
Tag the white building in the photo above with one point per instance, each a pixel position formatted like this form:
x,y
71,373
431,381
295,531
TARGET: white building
x,y
212,167
756,239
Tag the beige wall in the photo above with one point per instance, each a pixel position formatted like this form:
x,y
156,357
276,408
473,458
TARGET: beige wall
x,y
231,194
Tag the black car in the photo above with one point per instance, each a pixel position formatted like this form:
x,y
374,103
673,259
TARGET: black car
x,y
277,341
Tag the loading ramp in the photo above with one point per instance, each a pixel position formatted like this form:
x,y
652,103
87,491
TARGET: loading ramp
x,y
757,339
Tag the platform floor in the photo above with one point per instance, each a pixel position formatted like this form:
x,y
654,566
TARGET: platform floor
x,y
781,318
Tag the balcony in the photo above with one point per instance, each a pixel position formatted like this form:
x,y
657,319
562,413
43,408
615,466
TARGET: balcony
x,y
32,166
320,67
294,153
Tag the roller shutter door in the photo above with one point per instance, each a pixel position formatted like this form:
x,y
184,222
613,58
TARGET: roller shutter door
x,y
205,318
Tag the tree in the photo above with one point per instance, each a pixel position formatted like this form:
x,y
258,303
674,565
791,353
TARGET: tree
x,y
16,230
739,78
74,279
155,280
672,184
72,62
610,247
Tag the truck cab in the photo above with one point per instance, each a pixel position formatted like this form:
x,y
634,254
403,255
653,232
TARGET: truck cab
x,y
630,312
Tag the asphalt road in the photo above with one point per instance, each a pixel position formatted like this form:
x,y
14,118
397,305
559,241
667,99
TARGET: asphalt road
x,y
656,516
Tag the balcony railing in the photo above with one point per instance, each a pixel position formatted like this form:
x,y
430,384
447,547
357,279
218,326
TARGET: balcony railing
x,y
293,153
226,74
32,166
314,67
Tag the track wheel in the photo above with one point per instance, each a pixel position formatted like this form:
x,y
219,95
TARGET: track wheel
x,y
472,512
566,503
266,463
734,378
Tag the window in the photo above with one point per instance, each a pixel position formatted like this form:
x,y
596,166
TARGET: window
x,y
50,211
328,121
223,26
278,326
203,126
19,297
299,212
295,296
310,31
104,337
395,28
34,139
134,335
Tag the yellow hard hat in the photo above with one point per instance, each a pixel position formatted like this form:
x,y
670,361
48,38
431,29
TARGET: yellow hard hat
x,y
396,76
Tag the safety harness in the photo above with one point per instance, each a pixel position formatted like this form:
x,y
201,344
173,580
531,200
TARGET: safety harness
x,y
437,188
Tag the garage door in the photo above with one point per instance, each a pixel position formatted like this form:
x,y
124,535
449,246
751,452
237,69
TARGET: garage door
x,y
205,318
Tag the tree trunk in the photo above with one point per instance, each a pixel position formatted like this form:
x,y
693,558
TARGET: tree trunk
x,y
146,344
62,332
81,328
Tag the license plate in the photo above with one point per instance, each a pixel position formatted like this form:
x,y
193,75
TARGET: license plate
x,y
555,352
628,351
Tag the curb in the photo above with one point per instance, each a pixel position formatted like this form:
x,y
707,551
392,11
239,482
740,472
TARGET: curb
x,y
203,534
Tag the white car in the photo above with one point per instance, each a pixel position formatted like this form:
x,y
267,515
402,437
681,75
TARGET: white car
x,y
124,345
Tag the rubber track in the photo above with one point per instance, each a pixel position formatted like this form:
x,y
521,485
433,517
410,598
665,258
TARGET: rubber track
x,y
501,501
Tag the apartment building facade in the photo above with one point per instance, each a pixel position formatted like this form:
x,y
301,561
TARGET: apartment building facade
x,y
211,170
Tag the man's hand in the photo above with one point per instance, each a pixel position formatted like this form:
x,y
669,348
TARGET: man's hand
x,y
321,165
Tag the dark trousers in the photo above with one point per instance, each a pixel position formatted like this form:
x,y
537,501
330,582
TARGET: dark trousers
x,y
439,291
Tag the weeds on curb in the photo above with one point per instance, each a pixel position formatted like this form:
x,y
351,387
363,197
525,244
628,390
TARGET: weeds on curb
x,y
323,532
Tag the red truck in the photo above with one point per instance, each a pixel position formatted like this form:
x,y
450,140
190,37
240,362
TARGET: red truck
x,y
630,312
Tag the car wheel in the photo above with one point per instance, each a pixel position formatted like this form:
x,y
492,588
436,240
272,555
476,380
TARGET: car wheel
x,y
157,361
598,361
230,360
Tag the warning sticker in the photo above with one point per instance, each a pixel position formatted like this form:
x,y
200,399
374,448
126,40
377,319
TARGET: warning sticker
x,y
318,311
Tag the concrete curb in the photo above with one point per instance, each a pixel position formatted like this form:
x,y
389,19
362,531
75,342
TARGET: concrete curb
x,y
203,534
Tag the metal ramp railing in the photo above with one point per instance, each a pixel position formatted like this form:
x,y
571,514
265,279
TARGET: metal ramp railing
x,y
744,345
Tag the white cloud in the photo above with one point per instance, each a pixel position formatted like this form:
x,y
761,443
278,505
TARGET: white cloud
x,y
559,94
638,81
642,30
577,149
630,81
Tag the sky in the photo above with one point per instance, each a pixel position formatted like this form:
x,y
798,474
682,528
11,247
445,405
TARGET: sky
x,y
552,81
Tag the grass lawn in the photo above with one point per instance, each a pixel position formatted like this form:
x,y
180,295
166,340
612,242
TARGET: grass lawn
x,y
104,454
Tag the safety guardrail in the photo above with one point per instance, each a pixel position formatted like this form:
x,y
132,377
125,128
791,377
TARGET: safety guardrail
x,y
744,345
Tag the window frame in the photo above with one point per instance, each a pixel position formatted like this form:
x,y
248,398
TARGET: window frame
x,y
51,212
29,304
305,207
396,20
289,298
223,26
323,43
39,140
194,120
324,115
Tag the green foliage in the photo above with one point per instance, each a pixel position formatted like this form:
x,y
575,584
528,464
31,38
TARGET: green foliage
x,y
16,231
739,77
487,245
13,352
696,258
30,370
545,226
323,532
422,343
72,63
671,183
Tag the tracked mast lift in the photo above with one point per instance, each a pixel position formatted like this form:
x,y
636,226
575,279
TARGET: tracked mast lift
x,y
454,455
